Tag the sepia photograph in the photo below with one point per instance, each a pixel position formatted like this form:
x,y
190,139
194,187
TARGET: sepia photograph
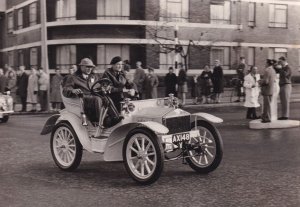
x,y
136,103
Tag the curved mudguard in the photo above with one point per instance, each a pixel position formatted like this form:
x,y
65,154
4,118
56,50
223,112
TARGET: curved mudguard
x,y
50,123
114,146
205,116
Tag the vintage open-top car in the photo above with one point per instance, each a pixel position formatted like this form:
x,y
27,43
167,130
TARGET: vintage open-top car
x,y
151,132
6,106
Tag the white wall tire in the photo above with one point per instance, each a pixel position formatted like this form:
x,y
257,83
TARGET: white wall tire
x,y
211,151
143,156
66,149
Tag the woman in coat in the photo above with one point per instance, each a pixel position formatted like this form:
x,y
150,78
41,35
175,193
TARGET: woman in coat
x,y
151,83
182,85
218,82
252,91
206,84
32,89
55,96
12,85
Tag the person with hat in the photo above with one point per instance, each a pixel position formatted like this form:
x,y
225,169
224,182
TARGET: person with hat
x,y
267,84
76,85
151,83
119,82
285,83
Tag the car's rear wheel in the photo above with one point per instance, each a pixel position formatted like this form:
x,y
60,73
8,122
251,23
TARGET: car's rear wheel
x,y
143,156
4,119
207,150
66,149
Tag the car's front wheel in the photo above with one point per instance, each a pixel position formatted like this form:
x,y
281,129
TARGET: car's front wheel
x,y
66,149
143,156
4,119
207,149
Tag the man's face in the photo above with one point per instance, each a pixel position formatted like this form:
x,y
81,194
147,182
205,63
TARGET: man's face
x,y
138,64
217,63
254,70
86,69
171,71
118,66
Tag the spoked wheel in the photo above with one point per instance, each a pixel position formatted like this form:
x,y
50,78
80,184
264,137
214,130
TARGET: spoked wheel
x,y
5,119
207,151
143,156
66,149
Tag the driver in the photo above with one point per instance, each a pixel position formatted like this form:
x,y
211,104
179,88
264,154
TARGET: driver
x,y
78,84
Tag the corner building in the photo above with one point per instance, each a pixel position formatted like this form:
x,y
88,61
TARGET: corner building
x,y
58,33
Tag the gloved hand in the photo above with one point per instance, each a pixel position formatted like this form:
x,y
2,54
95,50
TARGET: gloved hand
x,y
77,91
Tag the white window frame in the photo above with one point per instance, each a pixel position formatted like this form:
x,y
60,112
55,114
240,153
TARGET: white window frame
x,y
106,10
65,56
167,60
251,56
33,53
276,53
252,14
273,15
220,12
20,13
33,14
106,52
10,22
165,11
65,10
225,60
10,58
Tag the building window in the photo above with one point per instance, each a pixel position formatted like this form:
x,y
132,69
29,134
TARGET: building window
x,y
174,10
106,52
167,60
65,56
10,22
20,18
10,57
33,56
251,14
220,12
276,53
222,54
251,56
65,10
113,9
20,57
278,15
32,14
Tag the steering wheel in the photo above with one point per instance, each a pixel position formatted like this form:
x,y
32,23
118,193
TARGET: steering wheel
x,y
101,86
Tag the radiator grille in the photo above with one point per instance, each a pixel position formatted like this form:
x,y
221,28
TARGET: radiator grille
x,y
178,124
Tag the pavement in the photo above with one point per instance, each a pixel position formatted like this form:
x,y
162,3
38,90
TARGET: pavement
x,y
228,98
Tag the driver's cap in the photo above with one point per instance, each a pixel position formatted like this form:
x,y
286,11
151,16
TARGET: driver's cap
x,y
87,62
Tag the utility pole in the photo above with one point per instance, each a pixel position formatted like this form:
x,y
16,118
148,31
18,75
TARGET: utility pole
x,y
44,46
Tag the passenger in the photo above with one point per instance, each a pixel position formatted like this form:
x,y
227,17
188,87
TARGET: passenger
x,y
119,82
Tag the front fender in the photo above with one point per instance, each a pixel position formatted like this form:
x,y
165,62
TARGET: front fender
x,y
114,146
206,116
50,123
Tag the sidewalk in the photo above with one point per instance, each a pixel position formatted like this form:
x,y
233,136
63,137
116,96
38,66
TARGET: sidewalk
x,y
227,99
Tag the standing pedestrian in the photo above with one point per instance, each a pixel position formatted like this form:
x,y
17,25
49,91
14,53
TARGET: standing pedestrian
x,y
285,83
151,83
218,81
12,85
55,95
182,85
32,89
205,80
252,91
170,82
240,71
139,78
3,81
22,84
267,84
43,83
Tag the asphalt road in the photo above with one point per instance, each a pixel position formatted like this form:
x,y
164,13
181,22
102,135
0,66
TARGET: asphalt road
x,y
259,168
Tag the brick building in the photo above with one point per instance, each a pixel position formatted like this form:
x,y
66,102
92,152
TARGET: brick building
x,y
58,33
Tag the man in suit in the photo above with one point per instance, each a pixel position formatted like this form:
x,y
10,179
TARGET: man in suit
x,y
3,81
267,90
22,83
285,83
139,78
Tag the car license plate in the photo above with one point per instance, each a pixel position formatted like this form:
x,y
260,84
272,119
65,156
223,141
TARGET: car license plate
x,y
179,138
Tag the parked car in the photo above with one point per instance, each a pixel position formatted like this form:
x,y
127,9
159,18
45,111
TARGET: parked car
x,y
6,106
152,131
